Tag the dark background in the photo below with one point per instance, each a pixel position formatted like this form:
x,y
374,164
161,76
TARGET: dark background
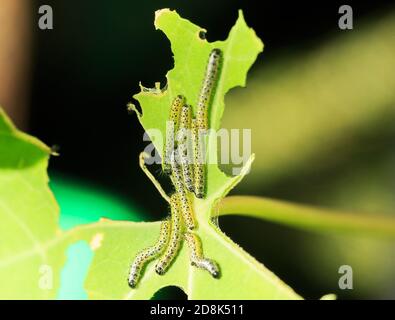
x,y
87,69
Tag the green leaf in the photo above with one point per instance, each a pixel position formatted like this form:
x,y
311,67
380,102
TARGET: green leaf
x,y
31,240
121,241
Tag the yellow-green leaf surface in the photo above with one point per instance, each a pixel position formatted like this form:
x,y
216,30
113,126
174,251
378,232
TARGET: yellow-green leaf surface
x,y
242,276
31,247
122,241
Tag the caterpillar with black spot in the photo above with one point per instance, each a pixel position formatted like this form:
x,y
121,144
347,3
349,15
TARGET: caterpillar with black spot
x,y
196,255
204,99
208,85
148,254
198,161
184,139
175,237
171,127
177,179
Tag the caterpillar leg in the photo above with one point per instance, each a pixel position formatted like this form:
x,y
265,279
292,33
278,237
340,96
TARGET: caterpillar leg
x,y
175,237
148,254
177,179
196,255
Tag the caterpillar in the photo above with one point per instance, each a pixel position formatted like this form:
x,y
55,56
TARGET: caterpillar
x,y
148,254
178,183
209,81
184,139
196,255
208,84
175,237
198,162
171,127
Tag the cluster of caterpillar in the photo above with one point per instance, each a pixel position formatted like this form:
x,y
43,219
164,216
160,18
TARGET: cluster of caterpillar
x,y
167,246
191,131
187,176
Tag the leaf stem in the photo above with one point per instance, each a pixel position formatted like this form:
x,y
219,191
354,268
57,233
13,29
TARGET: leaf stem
x,y
151,177
308,217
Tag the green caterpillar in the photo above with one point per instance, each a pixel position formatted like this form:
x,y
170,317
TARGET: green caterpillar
x,y
183,147
172,127
178,183
201,124
148,254
175,237
196,255
208,84
198,161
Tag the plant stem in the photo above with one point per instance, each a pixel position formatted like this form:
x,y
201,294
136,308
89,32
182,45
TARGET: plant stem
x,y
151,177
309,217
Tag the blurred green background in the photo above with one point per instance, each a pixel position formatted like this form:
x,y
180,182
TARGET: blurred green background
x,y
320,102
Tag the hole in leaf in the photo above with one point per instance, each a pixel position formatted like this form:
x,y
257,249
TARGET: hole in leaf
x,y
170,293
202,35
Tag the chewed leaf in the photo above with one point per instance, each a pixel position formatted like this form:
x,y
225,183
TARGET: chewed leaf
x,y
191,53
31,243
242,277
